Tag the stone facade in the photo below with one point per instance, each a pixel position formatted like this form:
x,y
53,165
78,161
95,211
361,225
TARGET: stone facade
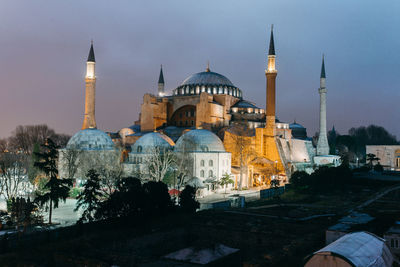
x,y
389,155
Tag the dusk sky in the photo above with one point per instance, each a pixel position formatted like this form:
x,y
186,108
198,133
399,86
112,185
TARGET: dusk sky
x,y
44,46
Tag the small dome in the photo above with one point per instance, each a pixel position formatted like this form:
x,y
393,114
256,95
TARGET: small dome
x,y
90,139
199,140
298,130
151,140
207,78
244,104
295,125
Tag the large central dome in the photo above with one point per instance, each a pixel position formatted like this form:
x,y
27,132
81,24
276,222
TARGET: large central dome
x,y
207,78
207,81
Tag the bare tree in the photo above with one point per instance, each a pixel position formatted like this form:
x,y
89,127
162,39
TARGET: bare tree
x,y
184,162
69,160
24,137
158,162
13,177
107,164
238,142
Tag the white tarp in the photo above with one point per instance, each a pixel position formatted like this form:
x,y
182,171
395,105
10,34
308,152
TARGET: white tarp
x,y
361,249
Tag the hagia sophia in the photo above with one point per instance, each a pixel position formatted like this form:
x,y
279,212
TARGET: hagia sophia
x,y
208,118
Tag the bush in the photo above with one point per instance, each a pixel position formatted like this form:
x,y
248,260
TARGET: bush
x,y
323,179
187,200
378,167
74,192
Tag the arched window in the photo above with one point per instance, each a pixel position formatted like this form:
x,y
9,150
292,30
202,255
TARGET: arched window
x,y
210,163
210,173
204,148
202,163
139,149
202,173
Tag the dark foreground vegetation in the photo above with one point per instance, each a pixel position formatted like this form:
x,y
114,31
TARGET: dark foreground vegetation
x,y
138,231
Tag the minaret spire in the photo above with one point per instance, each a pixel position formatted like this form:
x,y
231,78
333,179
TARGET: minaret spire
x,y
322,145
89,120
161,83
271,42
323,75
91,57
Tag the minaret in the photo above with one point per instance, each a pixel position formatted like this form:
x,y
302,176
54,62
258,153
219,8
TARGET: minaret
x,y
161,83
322,145
271,73
89,120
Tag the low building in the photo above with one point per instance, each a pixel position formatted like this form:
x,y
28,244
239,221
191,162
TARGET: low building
x,y
346,225
389,155
392,237
144,148
87,149
209,160
354,249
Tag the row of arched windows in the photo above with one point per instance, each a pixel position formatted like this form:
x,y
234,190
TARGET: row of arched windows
x,y
191,90
137,160
210,163
210,173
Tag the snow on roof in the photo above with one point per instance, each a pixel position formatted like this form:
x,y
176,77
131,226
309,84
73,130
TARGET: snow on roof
x,y
361,249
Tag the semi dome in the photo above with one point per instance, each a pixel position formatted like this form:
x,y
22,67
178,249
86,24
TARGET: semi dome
x,y
199,140
151,140
207,81
90,139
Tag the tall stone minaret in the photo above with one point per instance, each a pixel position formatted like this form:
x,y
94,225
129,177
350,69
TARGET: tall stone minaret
x,y
89,120
322,145
271,73
161,83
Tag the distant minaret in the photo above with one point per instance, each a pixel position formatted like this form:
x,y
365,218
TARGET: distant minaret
x,y
161,83
271,73
322,145
89,120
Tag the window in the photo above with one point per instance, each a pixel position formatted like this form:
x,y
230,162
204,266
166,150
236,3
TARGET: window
x,y
139,149
192,123
210,163
210,173
204,148
392,243
202,163
397,243
202,173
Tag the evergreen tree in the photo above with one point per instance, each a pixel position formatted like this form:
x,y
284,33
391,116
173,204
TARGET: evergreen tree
x,y
90,196
55,189
187,199
32,170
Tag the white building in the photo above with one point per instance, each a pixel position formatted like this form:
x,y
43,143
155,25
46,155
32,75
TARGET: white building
x,y
207,161
389,155
143,148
